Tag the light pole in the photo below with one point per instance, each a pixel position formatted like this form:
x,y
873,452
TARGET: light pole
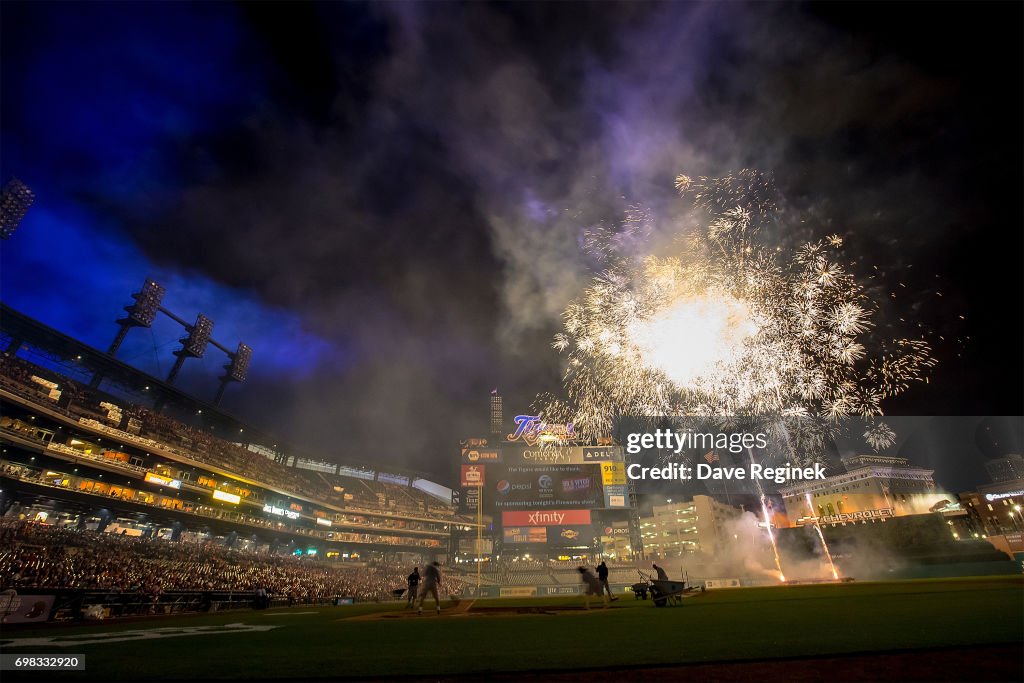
x,y
15,199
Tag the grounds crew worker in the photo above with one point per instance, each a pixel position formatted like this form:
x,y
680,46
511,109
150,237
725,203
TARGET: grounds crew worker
x,y
602,575
591,586
414,584
431,583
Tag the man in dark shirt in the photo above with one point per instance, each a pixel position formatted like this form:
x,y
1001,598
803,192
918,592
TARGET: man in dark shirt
x,y
414,586
602,575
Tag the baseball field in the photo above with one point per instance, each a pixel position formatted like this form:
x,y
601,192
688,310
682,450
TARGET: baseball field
x,y
963,629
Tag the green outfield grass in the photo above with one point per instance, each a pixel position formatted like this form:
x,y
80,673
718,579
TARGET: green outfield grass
x,y
728,625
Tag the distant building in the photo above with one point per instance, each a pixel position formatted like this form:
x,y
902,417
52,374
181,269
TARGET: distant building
x,y
1009,468
497,414
873,487
996,508
675,529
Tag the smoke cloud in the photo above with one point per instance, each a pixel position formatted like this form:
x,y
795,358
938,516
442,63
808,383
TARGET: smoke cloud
x,y
405,188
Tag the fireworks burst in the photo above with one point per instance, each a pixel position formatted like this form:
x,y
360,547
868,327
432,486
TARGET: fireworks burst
x,y
725,324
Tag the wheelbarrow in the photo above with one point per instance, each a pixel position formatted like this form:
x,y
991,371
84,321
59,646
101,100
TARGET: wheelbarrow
x,y
663,592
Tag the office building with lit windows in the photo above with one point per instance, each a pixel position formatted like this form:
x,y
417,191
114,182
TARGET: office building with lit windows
x,y
677,528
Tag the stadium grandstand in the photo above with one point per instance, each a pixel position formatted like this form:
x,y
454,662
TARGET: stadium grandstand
x,y
106,458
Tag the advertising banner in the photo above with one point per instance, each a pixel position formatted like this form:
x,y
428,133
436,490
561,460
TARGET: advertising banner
x,y
564,486
163,481
570,536
602,454
857,516
521,454
472,455
613,473
470,499
518,591
545,518
232,498
472,475
21,609
615,496
525,534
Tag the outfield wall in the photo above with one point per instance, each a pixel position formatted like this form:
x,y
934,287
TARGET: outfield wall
x,y
493,591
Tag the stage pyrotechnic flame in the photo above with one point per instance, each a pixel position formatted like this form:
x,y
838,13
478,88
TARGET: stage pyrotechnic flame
x,y
768,523
771,537
817,526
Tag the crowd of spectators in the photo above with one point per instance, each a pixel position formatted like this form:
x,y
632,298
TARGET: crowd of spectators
x,y
161,431
45,556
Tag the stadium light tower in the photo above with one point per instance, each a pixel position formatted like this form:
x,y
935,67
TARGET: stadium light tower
x,y
236,370
140,314
15,200
193,345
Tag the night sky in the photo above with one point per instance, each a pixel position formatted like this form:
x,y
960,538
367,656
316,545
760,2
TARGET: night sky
x,y
386,201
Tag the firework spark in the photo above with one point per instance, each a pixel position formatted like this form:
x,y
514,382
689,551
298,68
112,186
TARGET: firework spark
x,y
725,324
821,536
